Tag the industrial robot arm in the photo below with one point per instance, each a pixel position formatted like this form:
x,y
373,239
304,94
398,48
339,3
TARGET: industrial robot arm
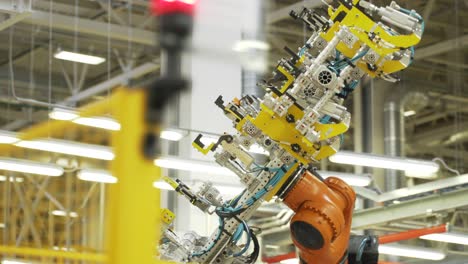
x,y
301,120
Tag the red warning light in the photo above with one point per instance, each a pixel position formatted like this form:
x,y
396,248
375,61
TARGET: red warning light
x,y
164,7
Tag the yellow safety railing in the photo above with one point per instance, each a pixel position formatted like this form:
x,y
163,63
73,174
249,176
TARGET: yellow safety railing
x,y
133,213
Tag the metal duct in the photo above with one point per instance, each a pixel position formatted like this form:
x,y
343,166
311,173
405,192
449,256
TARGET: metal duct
x,y
393,140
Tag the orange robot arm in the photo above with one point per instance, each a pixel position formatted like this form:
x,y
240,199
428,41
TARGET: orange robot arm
x,y
321,227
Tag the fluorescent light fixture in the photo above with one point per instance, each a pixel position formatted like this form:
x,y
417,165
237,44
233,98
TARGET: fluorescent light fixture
x,y
360,180
411,252
7,137
98,122
450,237
411,166
12,179
250,44
409,113
290,261
162,185
12,261
26,166
192,165
172,135
78,57
272,246
63,114
94,175
69,148
62,248
64,213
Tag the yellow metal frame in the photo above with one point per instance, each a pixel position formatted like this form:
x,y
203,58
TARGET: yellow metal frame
x,y
133,212
360,25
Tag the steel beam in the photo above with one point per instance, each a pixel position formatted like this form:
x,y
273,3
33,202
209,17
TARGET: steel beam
x,y
283,13
428,10
410,209
441,47
414,190
14,7
436,151
106,85
92,27
434,135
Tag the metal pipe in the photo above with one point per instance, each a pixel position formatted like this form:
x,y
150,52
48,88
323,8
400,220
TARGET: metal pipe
x,y
393,140
102,202
390,238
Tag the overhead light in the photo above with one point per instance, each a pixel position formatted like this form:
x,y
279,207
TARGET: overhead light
x,y
250,44
2,225
98,122
172,135
26,166
62,248
63,114
192,165
411,252
7,137
78,57
290,261
411,166
64,213
11,261
272,246
409,113
12,179
360,180
95,175
450,237
69,148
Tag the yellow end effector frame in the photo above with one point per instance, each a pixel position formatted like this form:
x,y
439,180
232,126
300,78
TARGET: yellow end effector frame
x,y
167,216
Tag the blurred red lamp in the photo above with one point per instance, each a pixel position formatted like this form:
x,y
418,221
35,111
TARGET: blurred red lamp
x,y
165,7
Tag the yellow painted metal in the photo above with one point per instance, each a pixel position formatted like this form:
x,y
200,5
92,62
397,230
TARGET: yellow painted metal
x,y
171,182
64,255
281,131
167,216
289,78
330,130
361,25
134,219
58,128
204,151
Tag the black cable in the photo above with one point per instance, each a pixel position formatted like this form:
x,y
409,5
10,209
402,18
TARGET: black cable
x,y
254,256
